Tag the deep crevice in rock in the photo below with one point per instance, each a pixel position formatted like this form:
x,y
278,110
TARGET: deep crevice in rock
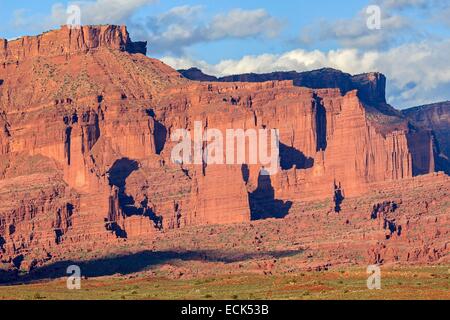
x,y
111,222
2,243
67,142
338,197
245,173
159,132
90,131
160,137
321,124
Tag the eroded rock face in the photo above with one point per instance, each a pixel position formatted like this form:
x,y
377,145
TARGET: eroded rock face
x,y
85,127
435,117
37,211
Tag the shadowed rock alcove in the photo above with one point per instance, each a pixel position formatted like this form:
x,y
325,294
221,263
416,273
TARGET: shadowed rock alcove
x,y
159,132
290,157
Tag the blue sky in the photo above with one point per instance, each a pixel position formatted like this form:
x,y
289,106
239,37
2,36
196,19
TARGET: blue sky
x,y
294,15
225,37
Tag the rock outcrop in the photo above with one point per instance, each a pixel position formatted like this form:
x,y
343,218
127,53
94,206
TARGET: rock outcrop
x,y
435,117
68,41
85,143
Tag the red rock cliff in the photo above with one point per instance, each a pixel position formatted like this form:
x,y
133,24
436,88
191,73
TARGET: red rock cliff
x,y
68,41
85,146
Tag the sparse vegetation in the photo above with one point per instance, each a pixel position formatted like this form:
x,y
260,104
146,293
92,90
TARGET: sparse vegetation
x,y
397,283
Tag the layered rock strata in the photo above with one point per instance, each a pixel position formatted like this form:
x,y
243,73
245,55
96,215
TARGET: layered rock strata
x,y
86,121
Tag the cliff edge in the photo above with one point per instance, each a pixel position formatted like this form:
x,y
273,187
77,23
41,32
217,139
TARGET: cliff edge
x,y
69,40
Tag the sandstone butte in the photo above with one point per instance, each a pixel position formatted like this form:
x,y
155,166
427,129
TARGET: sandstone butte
x,y
85,125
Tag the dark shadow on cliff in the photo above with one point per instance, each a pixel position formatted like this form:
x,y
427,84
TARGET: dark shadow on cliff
x,y
338,197
263,204
245,173
441,158
137,262
442,163
290,157
159,133
118,175
120,171
321,124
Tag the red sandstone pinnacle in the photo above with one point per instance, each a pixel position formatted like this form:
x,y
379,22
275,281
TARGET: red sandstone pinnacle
x,y
85,146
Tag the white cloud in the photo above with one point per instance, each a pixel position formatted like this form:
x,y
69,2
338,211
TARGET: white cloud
x,y
184,26
240,23
348,60
402,21
101,11
417,73
354,33
182,12
92,12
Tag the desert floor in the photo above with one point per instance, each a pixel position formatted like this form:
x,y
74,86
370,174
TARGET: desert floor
x,y
397,283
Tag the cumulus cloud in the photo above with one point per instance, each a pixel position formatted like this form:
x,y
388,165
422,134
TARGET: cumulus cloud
x,y
185,26
354,32
417,73
101,11
240,23
92,12
398,25
348,60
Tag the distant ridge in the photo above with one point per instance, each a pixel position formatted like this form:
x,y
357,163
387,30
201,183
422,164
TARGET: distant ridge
x,y
436,117
371,86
